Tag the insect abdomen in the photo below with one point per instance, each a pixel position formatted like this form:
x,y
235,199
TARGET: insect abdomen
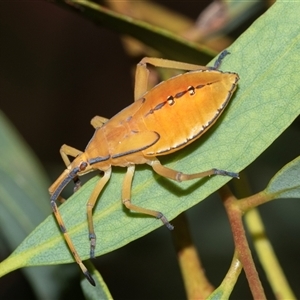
x,y
185,108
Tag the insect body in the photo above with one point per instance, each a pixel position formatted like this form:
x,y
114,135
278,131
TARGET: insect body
x,y
163,120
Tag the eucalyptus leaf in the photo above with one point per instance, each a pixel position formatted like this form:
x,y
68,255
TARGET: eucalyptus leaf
x,y
100,291
286,182
24,202
266,102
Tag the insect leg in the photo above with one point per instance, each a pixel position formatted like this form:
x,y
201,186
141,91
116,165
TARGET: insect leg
x,y
98,121
141,80
142,72
126,199
218,62
178,176
90,205
70,243
66,151
171,64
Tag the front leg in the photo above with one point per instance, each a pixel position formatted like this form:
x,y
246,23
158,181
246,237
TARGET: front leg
x,y
66,151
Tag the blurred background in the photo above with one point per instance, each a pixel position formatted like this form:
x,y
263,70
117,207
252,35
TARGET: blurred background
x,y
57,71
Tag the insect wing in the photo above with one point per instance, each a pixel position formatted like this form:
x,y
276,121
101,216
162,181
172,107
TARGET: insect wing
x,y
184,107
134,142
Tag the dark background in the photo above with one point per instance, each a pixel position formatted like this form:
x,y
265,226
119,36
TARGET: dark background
x,y
57,71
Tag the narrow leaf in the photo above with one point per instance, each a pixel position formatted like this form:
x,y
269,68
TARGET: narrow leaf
x,y
24,202
286,182
265,104
100,291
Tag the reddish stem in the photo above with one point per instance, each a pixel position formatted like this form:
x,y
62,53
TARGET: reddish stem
x,y
241,244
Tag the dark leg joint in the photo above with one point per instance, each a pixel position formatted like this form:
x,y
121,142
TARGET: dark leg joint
x,y
92,238
62,228
165,221
54,206
178,176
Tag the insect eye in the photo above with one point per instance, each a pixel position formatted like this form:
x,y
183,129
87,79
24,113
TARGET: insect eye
x,y
82,166
191,90
170,100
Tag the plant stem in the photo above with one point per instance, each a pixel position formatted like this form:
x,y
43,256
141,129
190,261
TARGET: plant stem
x,y
196,284
241,245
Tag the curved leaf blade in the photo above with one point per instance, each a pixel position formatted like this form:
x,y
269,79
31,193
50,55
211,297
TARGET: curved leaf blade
x,y
264,105
286,182
24,202
100,291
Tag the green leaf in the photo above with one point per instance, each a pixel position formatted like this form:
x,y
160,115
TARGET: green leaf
x,y
266,57
286,182
100,291
24,202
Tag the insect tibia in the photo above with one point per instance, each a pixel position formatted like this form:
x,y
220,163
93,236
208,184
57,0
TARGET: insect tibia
x,y
226,173
165,221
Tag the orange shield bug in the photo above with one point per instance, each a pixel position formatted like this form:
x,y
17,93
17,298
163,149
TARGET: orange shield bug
x,y
145,130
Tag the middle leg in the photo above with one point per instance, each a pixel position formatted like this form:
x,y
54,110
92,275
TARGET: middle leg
x,y
126,199
89,207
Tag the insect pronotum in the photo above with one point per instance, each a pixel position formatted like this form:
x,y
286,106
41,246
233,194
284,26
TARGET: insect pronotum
x,y
144,130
